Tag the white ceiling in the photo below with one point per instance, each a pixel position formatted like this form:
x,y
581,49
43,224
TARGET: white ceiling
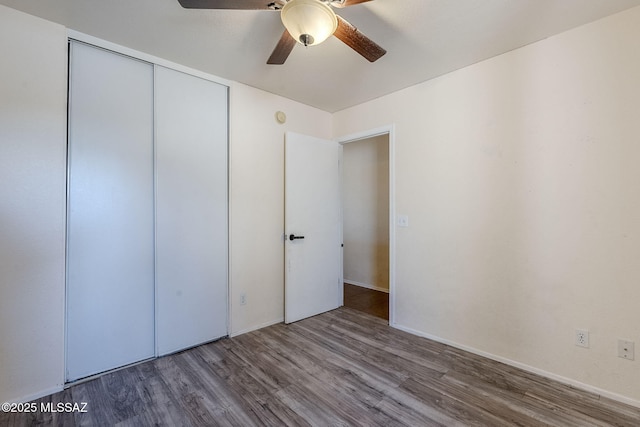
x,y
423,38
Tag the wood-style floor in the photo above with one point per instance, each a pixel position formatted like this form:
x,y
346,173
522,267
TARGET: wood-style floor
x,y
340,368
366,300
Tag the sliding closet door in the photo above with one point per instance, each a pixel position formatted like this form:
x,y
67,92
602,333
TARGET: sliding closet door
x,y
110,272
191,210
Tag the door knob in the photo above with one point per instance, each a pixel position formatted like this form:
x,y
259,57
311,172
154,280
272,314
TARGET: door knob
x,y
293,237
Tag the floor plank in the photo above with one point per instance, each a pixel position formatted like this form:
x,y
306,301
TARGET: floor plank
x,y
342,368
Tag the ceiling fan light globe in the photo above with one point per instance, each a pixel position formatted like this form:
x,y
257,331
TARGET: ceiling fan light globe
x,y
310,22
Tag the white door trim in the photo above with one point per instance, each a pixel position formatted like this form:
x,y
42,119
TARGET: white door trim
x,y
385,130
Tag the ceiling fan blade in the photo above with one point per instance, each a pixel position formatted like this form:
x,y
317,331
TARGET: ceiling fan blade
x,y
357,41
229,4
349,3
282,50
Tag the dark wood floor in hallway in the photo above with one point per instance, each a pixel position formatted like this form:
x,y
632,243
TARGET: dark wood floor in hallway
x,y
366,300
340,368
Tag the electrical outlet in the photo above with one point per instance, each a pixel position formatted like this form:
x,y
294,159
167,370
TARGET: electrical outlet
x,y
626,349
243,299
582,338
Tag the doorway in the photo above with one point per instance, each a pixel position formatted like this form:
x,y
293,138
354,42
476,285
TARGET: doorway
x,y
367,223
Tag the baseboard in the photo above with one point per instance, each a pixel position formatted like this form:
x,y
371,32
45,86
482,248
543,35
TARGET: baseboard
x,y
567,381
256,327
38,394
365,285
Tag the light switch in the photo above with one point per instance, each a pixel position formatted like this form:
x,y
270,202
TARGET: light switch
x,y
403,220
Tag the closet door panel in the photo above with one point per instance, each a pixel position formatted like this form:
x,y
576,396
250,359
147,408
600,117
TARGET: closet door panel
x,y
110,272
191,210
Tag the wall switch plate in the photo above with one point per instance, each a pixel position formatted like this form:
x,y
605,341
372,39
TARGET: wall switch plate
x,y
582,338
243,299
403,220
626,349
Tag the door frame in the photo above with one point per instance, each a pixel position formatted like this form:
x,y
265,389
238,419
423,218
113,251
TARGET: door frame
x,y
366,134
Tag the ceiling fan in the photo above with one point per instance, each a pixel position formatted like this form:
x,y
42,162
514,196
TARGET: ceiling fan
x,y
308,22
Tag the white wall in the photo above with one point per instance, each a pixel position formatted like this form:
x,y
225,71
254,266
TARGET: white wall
x,y
520,176
33,83
256,166
365,197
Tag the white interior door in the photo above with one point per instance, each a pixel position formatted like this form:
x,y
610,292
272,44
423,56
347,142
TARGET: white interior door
x,y
313,226
110,253
191,210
